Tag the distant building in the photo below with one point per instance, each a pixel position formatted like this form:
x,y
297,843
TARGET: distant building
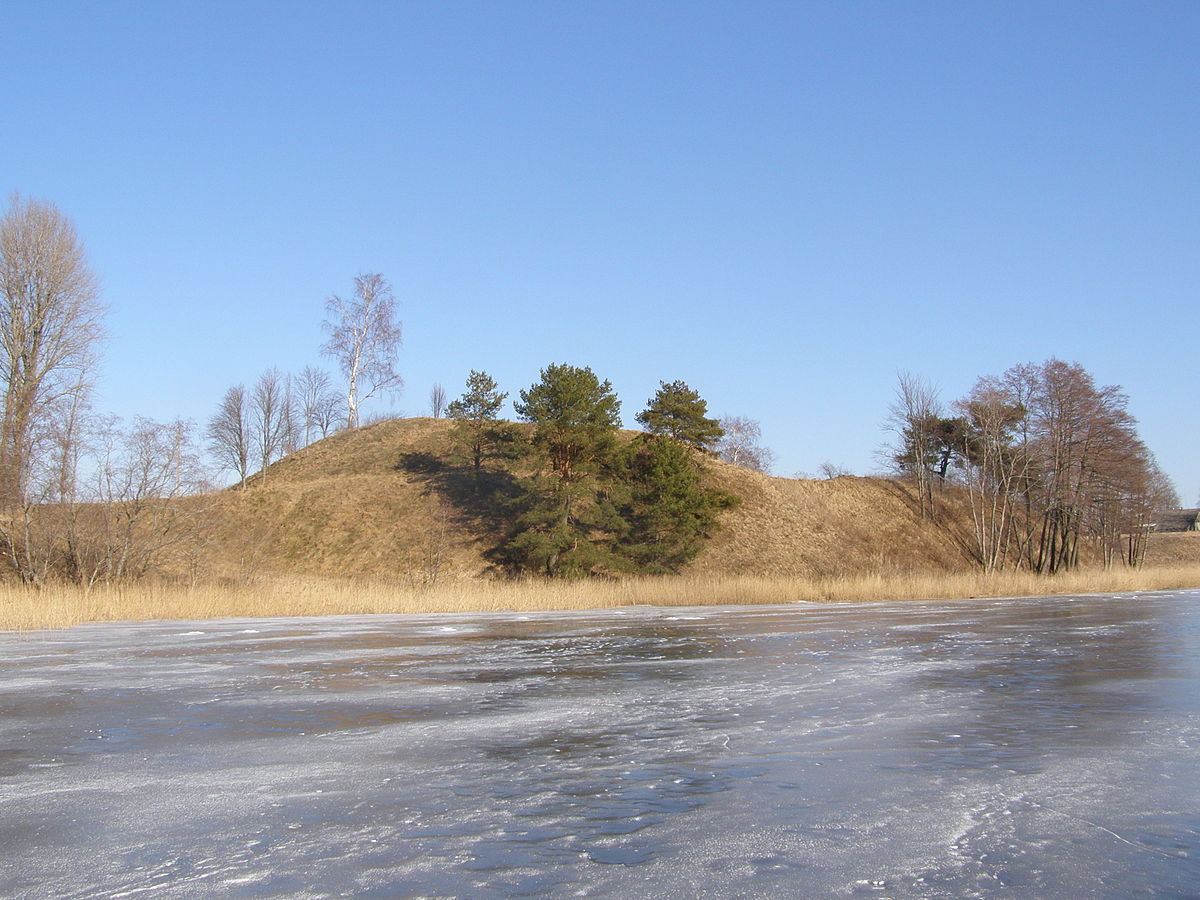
x,y
1177,520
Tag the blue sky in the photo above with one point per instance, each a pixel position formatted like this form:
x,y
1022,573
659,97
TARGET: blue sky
x,y
782,204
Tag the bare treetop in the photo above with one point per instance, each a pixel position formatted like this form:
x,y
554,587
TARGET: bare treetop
x,y
740,445
229,432
49,330
318,402
437,400
364,337
914,416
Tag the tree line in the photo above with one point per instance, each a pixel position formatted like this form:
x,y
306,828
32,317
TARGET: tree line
x,y
83,495
87,497
1050,463
281,413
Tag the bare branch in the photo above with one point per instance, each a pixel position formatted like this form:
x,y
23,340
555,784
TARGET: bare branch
x,y
437,400
49,332
739,444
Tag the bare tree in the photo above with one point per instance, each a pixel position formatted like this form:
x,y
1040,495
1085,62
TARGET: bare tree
x,y
1050,462
437,400
317,402
141,474
328,418
914,415
364,337
49,332
1158,494
740,444
229,432
269,417
433,540
995,463
62,441
291,425
830,470
1078,432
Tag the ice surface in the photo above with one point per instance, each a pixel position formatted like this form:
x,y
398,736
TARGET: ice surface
x,y
1025,748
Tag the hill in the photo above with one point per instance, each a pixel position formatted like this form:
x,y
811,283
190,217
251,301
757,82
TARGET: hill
x,y
394,499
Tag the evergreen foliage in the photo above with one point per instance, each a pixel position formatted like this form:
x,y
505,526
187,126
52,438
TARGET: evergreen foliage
x,y
678,412
565,519
601,508
480,402
670,511
476,424
561,529
575,418
933,443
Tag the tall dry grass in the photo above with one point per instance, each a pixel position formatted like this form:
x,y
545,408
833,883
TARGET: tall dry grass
x,y
62,607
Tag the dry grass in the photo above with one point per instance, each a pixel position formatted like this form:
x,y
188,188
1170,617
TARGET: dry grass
x,y
840,526
1173,548
362,505
353,506
25,609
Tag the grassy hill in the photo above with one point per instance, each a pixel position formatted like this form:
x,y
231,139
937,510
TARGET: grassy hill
x,y
386,519
393,498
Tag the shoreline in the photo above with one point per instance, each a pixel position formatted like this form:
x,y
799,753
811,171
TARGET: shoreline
x,y
25,609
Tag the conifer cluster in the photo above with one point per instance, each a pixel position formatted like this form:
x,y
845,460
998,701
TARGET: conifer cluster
x,y
595,504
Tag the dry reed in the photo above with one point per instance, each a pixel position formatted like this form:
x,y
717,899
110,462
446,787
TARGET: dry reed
x,y
65,606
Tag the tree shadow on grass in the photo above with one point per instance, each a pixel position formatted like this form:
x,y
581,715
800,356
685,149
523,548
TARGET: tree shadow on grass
x,y
482,500
955,530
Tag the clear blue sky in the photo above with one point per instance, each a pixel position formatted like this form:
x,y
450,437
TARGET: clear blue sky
x,y
782,204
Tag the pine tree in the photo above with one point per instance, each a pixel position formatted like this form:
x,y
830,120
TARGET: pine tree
x,y
678,412
670,511
476,414
566,518
575,417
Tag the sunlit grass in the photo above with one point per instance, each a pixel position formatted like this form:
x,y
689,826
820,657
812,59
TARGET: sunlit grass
x,y
64,606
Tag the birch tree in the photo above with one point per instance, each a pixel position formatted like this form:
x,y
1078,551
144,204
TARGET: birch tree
x,y
739,444
364,338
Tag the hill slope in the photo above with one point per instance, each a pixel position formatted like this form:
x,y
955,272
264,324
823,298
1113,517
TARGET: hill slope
x,y
389,499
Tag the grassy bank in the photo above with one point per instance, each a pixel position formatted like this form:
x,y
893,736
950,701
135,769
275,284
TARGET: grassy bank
x,y
62,607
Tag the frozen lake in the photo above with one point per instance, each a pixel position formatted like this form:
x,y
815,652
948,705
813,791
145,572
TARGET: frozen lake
x,y
1024,748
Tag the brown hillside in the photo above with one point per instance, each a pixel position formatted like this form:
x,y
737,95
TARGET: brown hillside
x,y
787,526
349,505
389,499
1173,548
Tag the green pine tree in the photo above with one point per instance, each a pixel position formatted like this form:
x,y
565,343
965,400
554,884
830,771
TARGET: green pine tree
x,y
678,412
669,510
566,519
575,418
475,414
